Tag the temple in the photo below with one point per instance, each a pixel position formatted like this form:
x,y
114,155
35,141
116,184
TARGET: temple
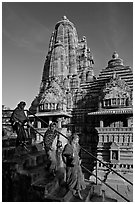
x,y
99,109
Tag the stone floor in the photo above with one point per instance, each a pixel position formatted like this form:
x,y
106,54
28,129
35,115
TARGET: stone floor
x,y
120,186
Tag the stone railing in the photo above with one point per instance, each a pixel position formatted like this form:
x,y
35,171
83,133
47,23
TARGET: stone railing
x,y
118,166
114,129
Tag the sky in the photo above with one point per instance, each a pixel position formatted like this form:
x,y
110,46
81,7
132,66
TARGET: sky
x,y
26,32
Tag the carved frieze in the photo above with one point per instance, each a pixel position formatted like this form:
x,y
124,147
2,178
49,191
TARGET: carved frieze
x,y
116,88
53,94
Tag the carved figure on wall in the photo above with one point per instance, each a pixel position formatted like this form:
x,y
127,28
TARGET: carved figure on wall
x,y
116,93
114,156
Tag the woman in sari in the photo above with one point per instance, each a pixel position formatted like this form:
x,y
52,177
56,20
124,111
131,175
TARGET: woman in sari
x,y
74,175
18,120
54,148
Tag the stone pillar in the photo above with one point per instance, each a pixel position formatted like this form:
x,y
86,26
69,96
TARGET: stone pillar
x,y
101,123
59,122
37,137
37,109
50,120
115,138
39,124
120,138
118,155
103,195
100,105
110,155
100,138
55,106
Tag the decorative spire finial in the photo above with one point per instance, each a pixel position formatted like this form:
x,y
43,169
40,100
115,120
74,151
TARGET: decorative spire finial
x,y
115,55
64,18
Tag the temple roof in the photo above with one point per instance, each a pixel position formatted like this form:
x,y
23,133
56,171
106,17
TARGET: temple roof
x,y
53,113
115,60
116,65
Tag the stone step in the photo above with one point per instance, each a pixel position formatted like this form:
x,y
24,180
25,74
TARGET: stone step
x,y
11,141
21,182
26,160
8,141
46,186
62,194
99,196
8,152
124,189
86,193
36,159
36,174
96,198
102,193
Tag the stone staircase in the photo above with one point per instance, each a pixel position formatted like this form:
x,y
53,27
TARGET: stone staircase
x,y
62,194
29,167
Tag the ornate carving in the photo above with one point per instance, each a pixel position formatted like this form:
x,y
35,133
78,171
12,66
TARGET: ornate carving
x,y
116,88
53,94
114,146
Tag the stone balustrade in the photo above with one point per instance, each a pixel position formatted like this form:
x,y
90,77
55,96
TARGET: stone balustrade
x,y
114,129
120,166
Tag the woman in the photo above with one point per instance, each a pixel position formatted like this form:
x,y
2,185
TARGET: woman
x,y
54,148
18,120
50,141
75,177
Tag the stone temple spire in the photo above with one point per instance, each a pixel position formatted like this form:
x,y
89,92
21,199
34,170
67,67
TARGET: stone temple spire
x,y
69,61
67,56
61,58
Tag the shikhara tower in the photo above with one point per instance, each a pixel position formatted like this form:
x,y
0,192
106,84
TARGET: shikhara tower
x,y
98,109
67,56
68,64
